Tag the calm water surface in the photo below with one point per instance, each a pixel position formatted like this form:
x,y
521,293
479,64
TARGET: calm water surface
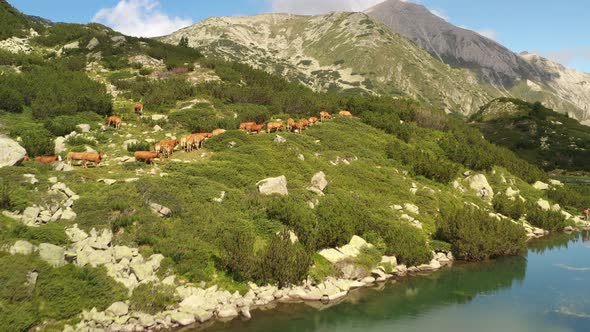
x,y
548,290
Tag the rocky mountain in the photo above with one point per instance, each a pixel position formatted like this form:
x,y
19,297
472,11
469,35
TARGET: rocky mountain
x,y
523,76
338,51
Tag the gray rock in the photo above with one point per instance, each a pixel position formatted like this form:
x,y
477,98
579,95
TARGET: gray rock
x,y
22,247
117,309
142,271
412,208
129,142
92,44
72,45
98,257
30,215
272,186
352,271
52,254
57,215
60,145
227,311
540,185
543,204
121,252
157,128
182,318
52,179
280,139
103,241
84,127
11,153
31,178
62,167
68,214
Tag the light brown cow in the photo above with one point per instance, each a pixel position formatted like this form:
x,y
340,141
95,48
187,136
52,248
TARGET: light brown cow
x,y
276,126
325,116
47,159
257,128
243,125
146,156
304,123
138,109
85,157
290,123
114,121
313,120
297,126
345,114
166,146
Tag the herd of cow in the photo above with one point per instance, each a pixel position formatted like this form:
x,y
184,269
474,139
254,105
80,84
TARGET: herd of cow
x,y
189,142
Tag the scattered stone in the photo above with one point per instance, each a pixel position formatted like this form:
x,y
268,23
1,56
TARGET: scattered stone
x,y
411,208
117,309
158,117
68,214
22,247
157,128
60,145
12,152
108,182
129,142
30,215
92,44
556,183
62,167
477,182
182,318
31,178
280,139
543,204
301,157
220,198
511,192
318,183
162,211
272,186
84,128
52,179
227,311
75,234
52,254
540,185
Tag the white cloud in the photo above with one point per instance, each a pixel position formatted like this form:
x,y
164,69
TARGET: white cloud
x,y
566,56
440,14
141,18
489,33
310,7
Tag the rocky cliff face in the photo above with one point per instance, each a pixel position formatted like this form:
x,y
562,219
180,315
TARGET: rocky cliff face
x,y
340,51
523,76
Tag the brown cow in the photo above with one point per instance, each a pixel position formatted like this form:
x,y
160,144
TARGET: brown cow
x,y
277,126
138,109
114,121
345,114
325,116
304,123
47,159
166,146
243,125
85,157
313,120
146,156
257,128
297,126
290,123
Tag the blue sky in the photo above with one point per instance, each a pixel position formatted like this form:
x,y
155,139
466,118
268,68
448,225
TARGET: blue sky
x,y
557,29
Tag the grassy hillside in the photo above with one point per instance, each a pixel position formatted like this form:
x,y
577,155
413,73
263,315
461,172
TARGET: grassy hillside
x,y
221,230
536,133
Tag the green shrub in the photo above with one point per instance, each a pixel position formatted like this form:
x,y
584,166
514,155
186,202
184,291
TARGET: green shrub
x,y
37,140
404,241
145,71
475,235
514,209
338,219
423,163
368,258
5,202
440,246
139,146
549,220
570,196
295,215
65,124
115,62
11,100
282,262
196,120
151,299
238,253
50,233
80,141
321,268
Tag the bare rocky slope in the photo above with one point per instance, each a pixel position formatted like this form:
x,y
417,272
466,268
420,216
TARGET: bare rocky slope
x,y
523,76
338,51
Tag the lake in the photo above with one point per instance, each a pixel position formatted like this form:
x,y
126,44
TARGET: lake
x,y
547,290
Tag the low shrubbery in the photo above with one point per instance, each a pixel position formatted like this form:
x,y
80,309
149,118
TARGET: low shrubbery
x,y
548,220
404,241
139,146
423,163
571,196
152,299
37,140
475,235
514,208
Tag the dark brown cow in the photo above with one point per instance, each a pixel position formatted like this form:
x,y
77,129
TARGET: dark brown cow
x,y
138,109
47,159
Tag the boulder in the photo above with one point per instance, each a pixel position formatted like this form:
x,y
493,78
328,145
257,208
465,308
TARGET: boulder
x,y
543,204
30,215
142,271
318,183
332,255
62,167
60,145
540,185
511,192
121,252
92,44
352,271
556,183
157,128
227,311
31,178
477,182
411,208
103,241
52,254
75,234
279,139
84,127
68,214
129,142
117,309
272,186
11,153
182,318
96,257
389,260
22,247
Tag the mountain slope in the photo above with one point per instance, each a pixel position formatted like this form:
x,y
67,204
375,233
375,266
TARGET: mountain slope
x,y
513,75
339,51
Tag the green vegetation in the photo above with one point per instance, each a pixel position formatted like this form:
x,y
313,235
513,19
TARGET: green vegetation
x,y
514,208
152,299
549,220
474,235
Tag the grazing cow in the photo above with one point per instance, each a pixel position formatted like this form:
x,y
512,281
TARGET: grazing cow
x,y
217,132
345,114
47,159
243,125
166,146
146,156
257,128
277,126
304,123
297,126
313,120
114,121
325,116
290,124
138,109
85,157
